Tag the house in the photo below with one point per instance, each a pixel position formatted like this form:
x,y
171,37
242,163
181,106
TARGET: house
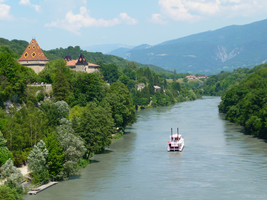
x,y
140,86
33,57
81,65
191,77
156,88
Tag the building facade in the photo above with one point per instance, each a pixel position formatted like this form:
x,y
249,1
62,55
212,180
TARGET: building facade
x,y
81,65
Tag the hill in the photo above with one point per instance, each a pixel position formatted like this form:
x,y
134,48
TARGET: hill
x,y
209,52
18,46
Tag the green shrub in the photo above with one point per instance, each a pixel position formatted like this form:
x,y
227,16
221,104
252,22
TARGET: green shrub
x,y
6,193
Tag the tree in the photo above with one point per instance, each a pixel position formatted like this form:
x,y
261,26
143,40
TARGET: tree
x,y
55,157
13,175
124,79
174,75
13,78
37,162
123,111
48,74
63,109
131,65
73,148
87,87
96,127
7,193
61,86
5,154
185,80
110,72
51,112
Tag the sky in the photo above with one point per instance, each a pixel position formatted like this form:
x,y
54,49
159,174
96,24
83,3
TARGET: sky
x,y
63,23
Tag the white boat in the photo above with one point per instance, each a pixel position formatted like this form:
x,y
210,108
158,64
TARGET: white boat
x,y
176,142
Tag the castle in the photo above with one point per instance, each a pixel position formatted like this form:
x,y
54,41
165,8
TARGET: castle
x,y
34,58
81,64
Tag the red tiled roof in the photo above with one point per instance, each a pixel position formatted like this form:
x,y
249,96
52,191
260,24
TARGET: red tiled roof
x,y
73,63
33,52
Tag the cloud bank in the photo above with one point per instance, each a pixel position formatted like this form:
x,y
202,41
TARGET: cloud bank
x,y
28,3
74,22
5,11
194,10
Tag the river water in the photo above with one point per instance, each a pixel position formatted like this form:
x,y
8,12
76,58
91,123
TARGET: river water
x,y
218,162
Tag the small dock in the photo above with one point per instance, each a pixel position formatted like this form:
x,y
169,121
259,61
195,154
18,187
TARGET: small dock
x,y
41,188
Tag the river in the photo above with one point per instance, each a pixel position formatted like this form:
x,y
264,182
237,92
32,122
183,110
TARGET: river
x,y
218,162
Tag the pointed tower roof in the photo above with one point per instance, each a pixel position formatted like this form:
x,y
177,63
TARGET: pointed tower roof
x,y
81,60
67,58
33,52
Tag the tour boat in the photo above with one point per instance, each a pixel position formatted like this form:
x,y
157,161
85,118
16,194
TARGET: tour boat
x,y
176,142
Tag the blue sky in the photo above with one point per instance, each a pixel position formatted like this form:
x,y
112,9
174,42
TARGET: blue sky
x,y
63,23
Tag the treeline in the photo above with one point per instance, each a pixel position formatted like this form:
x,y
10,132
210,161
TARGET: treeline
x,y
246,103
217,85
170,92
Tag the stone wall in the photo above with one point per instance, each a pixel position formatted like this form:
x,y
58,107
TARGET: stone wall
x,y
47,87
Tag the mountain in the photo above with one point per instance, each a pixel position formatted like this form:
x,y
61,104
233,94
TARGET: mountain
x,y
18,46
121,52
105,48
209,52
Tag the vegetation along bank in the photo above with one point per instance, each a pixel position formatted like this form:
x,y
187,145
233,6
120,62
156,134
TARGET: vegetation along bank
x,y
55,132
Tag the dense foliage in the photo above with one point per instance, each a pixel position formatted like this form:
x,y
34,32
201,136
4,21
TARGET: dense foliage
x,y
37,131
169,92
13,78
245,103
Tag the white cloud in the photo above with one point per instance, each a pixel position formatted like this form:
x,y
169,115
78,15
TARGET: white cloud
x,y
5,11
28,3
194,10
157,19
74,22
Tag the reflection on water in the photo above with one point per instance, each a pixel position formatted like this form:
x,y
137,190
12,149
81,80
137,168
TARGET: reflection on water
x,y
218,162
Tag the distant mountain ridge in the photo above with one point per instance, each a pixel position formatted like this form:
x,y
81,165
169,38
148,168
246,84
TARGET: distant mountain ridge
x,y
209,52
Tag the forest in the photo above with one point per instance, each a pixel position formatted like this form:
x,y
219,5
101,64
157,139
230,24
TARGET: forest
x,y
245,103
243,94
56,133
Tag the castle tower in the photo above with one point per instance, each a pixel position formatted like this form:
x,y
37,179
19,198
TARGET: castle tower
x,y
33,57
81,64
